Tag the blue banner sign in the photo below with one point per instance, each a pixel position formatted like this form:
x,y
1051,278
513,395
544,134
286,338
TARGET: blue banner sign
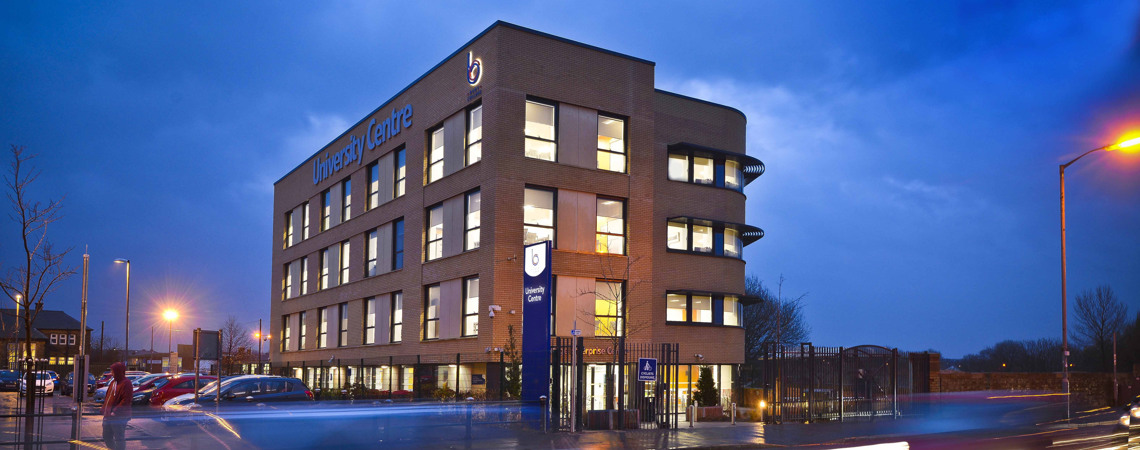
x,y
647,369
536,321
377,133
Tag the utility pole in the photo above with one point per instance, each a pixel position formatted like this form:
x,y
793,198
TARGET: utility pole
x,y
1115,386
101,324
152,338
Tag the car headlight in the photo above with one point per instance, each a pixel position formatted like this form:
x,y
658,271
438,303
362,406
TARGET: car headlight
x,y
1135,411
1125,420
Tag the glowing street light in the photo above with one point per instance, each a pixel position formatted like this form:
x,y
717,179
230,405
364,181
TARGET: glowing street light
x,y
1126,144
170,315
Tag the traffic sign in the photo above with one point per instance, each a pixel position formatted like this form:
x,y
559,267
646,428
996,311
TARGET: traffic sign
x,y
647,369
575,332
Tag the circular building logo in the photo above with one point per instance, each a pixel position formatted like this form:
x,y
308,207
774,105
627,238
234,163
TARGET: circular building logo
x,y
474,69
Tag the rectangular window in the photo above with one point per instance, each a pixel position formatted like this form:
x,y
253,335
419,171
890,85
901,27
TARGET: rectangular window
x,y
679,167
475,135
677,308
342,339
370,268
288,234
732,242
471,306
471,221
326,209
401,173
608,308
304,328
732,312
322,327
538,216
286,334
702,309
703,170
611,226
431,313
370,320
540,131
324,282
304,275
286,282
397,316
53,339
398,244
346,197
678,238
305,220
435,156
344,263
435,233
732,174
373,185
702,238
611,144
71,339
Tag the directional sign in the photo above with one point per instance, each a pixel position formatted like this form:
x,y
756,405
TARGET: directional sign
x,y
647,369
575,332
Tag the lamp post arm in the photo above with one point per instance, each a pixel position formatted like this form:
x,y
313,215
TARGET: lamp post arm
x,y
1063,166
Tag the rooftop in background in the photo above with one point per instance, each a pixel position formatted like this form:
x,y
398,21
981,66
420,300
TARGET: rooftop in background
x,y
44,320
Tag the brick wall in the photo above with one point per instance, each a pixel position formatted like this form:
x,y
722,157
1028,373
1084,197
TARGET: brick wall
x,y
1091,389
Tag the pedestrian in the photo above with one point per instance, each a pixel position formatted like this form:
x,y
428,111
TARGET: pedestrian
x,y
117,408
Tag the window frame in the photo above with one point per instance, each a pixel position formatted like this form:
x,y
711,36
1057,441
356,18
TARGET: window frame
x,y
624,140
286,333
346,199
396,321
399,172
477,143
464,314
467,228
323,281
302,329
368,337
286,282
554,220
624,225
428,319
622,303
323,327
719,238
304,275
373,171
288,230
543,102
304,221
345,263
436,243
326,209
398,244
719,169
371,259
716,303
429,164
342,325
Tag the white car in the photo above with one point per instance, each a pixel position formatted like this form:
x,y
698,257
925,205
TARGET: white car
x,y
44,384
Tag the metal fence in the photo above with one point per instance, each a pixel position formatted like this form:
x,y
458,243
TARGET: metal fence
x,y
803,383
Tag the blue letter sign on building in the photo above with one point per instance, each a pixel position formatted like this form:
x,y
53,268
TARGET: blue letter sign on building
x,y
536,322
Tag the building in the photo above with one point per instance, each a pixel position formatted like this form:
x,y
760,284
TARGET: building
x,y
396,248
55,338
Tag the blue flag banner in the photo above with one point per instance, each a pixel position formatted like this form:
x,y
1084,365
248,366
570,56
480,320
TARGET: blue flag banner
x,y
537,284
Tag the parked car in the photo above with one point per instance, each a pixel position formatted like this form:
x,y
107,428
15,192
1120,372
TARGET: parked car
x,y
9,380
44,385
144,381
102,392
174,386
54,379
69,382
143,390
246,388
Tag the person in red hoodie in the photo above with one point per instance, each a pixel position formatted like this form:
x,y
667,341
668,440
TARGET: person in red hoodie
x,y
117,408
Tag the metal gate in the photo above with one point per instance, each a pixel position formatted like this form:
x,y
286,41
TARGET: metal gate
x,y
625,401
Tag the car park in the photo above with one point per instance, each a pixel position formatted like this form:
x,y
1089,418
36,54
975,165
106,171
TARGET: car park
x,y
69,382
44,385
176,386
9,380
102,392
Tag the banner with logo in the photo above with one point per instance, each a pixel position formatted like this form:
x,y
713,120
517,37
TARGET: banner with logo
x,y
536,321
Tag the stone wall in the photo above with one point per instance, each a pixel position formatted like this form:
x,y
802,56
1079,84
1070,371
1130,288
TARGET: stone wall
x,y
1092,389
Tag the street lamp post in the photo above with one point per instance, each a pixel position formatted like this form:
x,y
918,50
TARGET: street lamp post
x,y
1064,271
127,338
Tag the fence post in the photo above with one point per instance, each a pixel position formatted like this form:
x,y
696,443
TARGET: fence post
x,y
621,383
457,371
895,383
840,384
469,400
811,383
502,376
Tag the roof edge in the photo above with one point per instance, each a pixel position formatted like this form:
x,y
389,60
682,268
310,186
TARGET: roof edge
x,y
686,97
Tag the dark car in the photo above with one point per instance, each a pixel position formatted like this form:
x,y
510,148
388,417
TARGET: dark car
x,y
68,382
262,389
9,380
174,386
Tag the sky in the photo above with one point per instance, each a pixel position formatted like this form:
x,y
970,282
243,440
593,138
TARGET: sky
x,y
911,192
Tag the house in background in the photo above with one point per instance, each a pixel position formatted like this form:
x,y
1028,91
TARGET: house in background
x,y
55,338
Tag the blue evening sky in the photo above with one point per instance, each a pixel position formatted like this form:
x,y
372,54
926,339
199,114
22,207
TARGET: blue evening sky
x,y
912,147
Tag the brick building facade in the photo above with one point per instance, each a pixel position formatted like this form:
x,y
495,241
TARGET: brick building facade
x,y
396,248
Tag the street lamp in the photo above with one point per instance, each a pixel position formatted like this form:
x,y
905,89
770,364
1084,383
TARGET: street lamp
x,y
170,315
1064,269
260,337
127,338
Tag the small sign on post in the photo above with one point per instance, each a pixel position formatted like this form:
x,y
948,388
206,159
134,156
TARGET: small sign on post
x,y
575,332
647,369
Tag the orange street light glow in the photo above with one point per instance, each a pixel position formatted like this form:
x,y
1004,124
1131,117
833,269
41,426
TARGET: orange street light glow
x,y
1124,144
170,315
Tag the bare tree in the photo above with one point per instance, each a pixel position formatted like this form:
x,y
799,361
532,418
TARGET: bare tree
x,y
236,343
1099,315
40,270
612,298
773,319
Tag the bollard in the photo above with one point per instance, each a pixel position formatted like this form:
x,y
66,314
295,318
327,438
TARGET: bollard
x,y
734,413
542,401
762,407
692,414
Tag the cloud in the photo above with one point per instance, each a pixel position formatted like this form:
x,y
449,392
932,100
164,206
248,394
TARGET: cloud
x,y
298,146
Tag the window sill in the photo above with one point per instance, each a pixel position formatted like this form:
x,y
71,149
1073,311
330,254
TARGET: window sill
x,y
711,185
693,252
452,256
702,324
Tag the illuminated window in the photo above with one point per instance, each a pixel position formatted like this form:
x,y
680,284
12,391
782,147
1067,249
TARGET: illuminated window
x,y
611,144
471,221
346,200
305,220
324,281
326,209
304,275
373,185
610,235
677,308
678,167
609,307
370,268
397,316
732,311
538,216
344,262
732,174
435,233
435,156
286,334
401,173
304,329
431,313
286,283
732,244
322,327
342,339
540,131
370,320
702,238
398,244
288,235
471,306
678,238
702,309
703,171
475,135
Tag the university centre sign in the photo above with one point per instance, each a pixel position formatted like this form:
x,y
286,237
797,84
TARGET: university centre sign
x,y
377,133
